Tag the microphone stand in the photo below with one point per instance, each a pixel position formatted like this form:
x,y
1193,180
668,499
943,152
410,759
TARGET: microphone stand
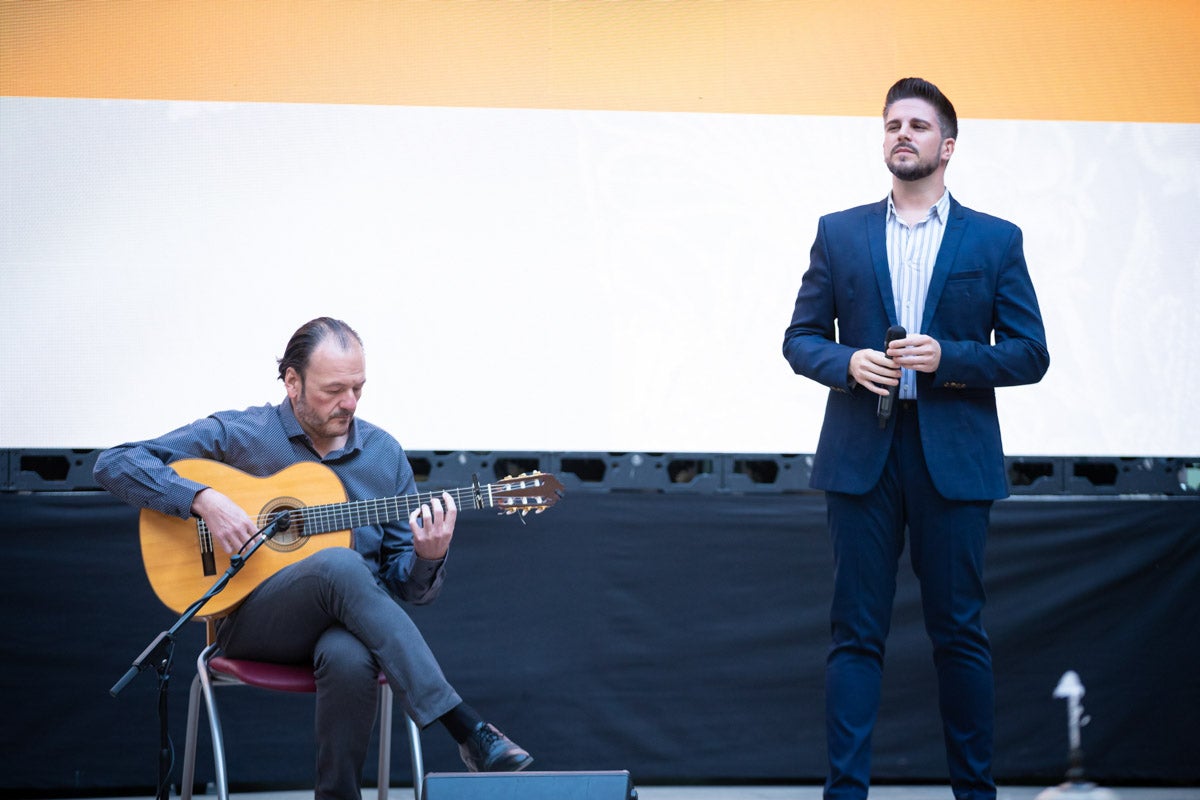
x,y
161,651
1076,786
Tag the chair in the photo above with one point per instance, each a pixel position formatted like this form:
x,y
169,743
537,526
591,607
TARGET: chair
x,y
213,670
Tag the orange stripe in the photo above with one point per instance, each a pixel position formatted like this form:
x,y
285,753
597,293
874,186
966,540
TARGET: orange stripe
x,y
1021,59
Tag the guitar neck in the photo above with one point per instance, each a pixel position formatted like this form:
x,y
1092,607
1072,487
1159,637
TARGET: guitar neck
x,y
359,513
534,491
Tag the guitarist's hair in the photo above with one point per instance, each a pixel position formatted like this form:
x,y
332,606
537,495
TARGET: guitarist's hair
x,y
306,338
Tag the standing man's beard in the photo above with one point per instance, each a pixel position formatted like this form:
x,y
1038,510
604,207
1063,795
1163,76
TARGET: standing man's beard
x,y
913,171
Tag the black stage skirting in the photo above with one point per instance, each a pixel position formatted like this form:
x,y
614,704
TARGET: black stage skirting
x,y
678,636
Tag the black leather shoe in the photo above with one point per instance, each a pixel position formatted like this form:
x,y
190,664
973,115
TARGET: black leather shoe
x,y
489,750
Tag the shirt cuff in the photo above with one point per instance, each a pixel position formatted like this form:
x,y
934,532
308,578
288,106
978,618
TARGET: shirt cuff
x,y
425,570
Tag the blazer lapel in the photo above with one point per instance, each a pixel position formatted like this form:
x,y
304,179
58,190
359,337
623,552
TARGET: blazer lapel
x,y
947,253
877,241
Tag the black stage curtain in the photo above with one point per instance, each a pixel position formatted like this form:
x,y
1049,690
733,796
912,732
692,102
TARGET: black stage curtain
x,y
679,636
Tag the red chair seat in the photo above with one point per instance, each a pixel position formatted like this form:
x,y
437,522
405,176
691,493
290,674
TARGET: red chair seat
x,y
267,675
280,677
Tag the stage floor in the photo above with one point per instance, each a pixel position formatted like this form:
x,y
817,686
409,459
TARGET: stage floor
x,y
782,793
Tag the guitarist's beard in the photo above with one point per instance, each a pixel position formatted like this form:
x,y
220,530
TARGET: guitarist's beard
x,y
321,427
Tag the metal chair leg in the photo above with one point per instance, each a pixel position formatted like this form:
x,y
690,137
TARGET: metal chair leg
x,y
221,777
385,740
189,747
385,746
418,763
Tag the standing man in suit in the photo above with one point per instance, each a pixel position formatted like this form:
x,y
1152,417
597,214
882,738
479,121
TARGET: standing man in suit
x,y
957,282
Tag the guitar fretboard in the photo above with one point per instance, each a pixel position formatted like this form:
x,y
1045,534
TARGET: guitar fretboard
x,y
513,495
347,516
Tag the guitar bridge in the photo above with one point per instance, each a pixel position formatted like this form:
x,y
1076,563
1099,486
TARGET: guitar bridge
x,y
208,561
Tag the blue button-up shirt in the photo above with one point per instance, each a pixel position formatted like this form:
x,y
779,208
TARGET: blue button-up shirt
x,y
261,441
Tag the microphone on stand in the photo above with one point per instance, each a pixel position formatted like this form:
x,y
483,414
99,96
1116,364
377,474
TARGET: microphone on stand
x,y
1076,787
279,523
884,409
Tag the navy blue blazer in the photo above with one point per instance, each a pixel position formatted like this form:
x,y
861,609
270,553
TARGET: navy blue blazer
x,y
980,290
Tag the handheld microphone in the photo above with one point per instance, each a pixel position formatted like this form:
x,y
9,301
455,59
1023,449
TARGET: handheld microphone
x,y
884,410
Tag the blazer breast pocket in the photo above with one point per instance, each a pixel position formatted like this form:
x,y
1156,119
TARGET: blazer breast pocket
x,y
966,295
968,275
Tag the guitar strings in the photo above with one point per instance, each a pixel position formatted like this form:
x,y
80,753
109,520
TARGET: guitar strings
x,y
206,539
357,513
353,514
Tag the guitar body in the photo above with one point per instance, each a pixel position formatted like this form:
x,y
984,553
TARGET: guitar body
x,y
181,560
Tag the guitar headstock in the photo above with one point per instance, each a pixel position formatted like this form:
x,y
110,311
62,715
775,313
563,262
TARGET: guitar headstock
x,y
529,491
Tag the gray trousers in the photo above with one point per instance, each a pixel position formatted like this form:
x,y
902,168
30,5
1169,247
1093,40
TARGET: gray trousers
x,y
328,610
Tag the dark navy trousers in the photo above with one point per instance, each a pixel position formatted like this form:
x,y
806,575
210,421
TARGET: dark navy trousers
x,y
946,542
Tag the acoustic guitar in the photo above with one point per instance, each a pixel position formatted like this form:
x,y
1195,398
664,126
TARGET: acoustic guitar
x,y
182,563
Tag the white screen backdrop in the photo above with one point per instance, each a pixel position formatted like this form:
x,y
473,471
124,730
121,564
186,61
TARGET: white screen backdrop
x,y
549,280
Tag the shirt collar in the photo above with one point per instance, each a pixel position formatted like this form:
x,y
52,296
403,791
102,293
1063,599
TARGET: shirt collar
x,y
291,425
940,209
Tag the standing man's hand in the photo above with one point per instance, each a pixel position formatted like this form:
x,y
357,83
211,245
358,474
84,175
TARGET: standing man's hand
x,y
433,527
874,371
917,352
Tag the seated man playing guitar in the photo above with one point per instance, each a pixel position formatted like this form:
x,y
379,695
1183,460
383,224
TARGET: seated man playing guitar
x,y
335,608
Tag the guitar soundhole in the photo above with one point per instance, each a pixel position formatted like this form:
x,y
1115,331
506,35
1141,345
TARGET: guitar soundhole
x,y
291,539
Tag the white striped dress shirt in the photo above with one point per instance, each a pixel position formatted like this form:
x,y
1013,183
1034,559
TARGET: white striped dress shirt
x,y
912,251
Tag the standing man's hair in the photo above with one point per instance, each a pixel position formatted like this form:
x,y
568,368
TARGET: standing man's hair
x,y
300,347
924,90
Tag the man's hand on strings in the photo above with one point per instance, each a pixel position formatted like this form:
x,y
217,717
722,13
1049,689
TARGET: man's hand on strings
x,y
433,527
230,526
